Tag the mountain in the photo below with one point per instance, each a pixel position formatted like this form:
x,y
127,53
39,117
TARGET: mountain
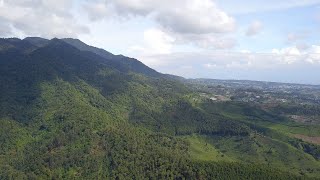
x,y
133,64
37,41
69,110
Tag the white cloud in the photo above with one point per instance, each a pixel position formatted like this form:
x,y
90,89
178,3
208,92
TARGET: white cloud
x,y
298,38
205,63
254,28
46,18
288,55
207,41
315,49
314,55
258,6
237,65
209,65
201,27
155,42
196,16
215,59
245,51
291,55
292,51
187,16
158,40
96,10
197,22
5,29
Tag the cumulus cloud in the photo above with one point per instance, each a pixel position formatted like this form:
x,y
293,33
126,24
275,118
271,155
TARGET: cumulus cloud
x,y
294,54
187,16
288,55
198,17
46,18
200,22
299,39
158,40
155,41
314,54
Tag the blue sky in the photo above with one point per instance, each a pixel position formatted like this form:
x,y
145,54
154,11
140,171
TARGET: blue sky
x,y
278,25
223,39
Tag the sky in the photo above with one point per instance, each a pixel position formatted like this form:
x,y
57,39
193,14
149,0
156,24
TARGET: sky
x,y
220,39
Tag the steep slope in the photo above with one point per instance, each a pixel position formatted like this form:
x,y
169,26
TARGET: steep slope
x,y
70,113
59,119
133,64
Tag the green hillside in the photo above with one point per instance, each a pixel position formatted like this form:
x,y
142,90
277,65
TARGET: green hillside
x,y
68,110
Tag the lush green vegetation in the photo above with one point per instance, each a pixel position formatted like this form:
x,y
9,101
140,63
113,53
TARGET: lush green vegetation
x,y
201,150
67,114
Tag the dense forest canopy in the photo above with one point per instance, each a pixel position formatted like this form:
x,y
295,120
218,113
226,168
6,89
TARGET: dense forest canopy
x,y
69,110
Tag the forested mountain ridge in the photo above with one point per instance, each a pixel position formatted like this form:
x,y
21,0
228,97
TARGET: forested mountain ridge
x,y
69,110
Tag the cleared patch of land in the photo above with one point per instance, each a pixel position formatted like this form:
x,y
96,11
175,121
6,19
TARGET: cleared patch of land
x,y
310,139
202,151
305,119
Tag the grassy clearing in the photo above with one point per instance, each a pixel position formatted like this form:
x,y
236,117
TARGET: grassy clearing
x,y
200,150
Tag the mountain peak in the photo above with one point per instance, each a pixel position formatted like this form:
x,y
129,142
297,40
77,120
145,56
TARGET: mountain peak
x,y
29,44
36,41
85,47
133,64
